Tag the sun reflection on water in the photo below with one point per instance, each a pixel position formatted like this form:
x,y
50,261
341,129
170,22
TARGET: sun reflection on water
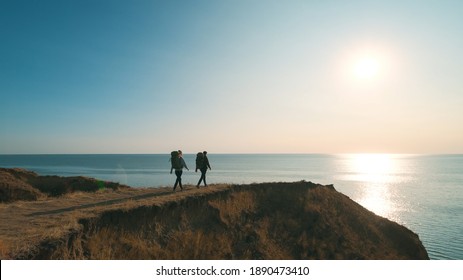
x,y
375,168
377,173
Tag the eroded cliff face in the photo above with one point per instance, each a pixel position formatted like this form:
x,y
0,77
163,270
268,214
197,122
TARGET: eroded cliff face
x,y
260,221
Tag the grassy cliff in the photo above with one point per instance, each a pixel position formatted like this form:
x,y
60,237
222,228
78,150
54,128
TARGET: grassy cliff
x,y
300,220
19,184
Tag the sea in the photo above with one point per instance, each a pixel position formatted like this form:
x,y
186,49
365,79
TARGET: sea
x,y
422,192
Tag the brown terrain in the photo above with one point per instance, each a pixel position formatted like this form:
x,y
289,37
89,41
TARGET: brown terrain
x,y
50,217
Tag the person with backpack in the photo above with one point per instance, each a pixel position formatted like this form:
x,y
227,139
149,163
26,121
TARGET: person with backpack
x,y
202,163
178,163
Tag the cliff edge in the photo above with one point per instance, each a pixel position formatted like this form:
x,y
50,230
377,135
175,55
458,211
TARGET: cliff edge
x,y
299,220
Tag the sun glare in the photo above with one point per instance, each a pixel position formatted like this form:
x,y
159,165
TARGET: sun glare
x,y
373,167
366,67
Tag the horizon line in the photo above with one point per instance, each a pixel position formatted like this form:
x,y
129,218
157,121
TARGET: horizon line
x,y
234,153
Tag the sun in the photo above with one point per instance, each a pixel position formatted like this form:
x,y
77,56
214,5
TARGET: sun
x,y
366,67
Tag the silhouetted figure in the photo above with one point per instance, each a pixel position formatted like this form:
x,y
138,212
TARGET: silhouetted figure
x,y
178,163
202,163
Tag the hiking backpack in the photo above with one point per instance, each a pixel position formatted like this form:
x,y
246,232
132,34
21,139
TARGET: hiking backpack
x,y
199,160
175,160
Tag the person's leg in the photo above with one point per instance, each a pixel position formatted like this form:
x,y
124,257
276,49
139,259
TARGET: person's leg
x,y
176,182
201,179
203,176
179,178
204,179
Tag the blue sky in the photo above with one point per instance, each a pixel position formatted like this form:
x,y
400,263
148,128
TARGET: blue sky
x,y
230,76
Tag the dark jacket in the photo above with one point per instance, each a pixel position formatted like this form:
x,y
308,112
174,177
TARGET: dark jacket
x,y
205,164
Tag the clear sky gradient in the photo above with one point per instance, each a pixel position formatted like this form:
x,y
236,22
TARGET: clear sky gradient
x,y
95,76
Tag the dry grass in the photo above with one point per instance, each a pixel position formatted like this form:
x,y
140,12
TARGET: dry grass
x,y
232,208
109,244
181,244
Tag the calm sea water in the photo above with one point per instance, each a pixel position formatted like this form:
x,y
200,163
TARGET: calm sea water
x,y
424,193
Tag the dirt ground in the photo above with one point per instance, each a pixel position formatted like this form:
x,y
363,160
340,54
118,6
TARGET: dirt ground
x,y
24,223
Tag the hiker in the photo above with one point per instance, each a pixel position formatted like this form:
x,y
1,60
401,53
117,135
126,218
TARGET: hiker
x,y
178,163
202,163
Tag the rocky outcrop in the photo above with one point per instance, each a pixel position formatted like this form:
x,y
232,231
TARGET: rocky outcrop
x,y
299,220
